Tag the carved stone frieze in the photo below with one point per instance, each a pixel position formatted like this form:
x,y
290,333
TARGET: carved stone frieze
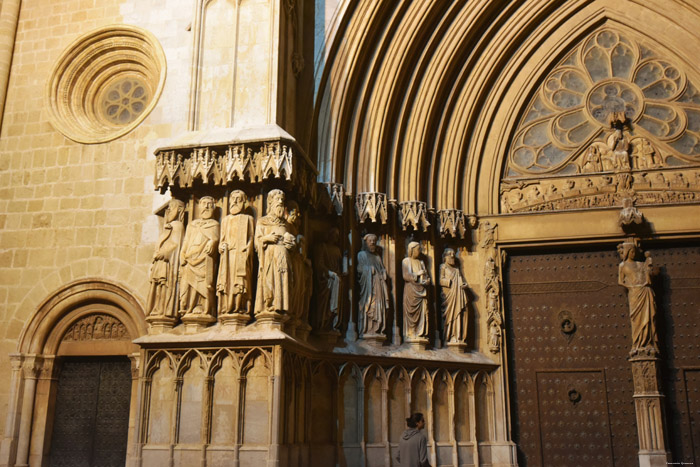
x,y
222,164
371,206
604,175
414,214
452,222
665,186
96,327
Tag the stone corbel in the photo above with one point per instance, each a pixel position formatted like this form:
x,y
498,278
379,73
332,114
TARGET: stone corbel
x,y
414,214
371,206
452,222
630,215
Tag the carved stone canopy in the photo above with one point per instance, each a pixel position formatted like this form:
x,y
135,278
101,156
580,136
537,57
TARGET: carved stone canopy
x,y
414,214
372,206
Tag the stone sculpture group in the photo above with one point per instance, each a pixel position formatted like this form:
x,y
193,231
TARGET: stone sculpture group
x,y
205,272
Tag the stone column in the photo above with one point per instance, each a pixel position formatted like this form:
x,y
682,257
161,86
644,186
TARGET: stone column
x,y
8,450
648,404
9,17
32,366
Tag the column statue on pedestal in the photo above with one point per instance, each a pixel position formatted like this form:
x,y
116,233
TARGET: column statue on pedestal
x,y
274,243
162,296
415,296
374,295
197,265
236,264
454,300
635,276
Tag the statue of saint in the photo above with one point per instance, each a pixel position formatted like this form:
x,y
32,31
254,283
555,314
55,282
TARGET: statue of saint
x,y
454,299
274,243
296,298
635,276
197,262
327,267
374,295
236,264
162,298
415,294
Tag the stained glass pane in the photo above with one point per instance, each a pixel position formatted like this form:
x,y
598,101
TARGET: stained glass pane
x,y
622,61
536,135
596,62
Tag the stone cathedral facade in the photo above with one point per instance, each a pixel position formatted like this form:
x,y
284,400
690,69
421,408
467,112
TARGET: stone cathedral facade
x,y
265,232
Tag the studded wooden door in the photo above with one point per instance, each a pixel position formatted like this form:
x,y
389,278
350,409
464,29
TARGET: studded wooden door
x,y
678,297
568,341
92,413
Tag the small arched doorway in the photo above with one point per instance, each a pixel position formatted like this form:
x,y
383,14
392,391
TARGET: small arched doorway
x,y
74,388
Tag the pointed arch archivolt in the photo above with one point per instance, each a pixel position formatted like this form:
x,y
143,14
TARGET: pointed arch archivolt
x,y
435,124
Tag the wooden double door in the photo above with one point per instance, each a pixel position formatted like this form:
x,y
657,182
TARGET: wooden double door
x,y
91,417
568,329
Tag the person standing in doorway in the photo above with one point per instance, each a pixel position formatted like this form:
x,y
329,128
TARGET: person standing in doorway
x,y
413,446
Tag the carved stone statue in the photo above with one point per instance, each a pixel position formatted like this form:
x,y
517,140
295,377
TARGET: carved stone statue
x,y
162,296
415,294
236,250
296,293
635,276
274,243
374,295
197,263
454,299
327,268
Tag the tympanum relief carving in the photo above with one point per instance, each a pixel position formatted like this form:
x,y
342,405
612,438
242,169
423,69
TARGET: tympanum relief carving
x,y
96,327
614,118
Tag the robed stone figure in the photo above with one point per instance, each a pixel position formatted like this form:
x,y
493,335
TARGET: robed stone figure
x,y
162,295
635,276
197,263
236,258
327,269
374,295
454,299
415,294
274,244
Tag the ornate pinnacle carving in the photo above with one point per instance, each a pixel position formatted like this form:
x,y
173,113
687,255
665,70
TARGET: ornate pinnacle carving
x,y
276,161
336,191
452,222
414,214
372,206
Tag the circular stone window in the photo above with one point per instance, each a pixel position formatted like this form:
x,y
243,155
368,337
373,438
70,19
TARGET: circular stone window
x,y
105,83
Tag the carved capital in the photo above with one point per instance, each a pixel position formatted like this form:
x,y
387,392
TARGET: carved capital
x,y
452,222
414,214
371,206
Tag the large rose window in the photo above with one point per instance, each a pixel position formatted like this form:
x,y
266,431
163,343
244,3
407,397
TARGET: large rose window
x,y
608,74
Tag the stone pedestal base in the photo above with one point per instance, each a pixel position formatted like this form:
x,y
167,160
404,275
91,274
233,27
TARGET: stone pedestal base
x,y
302,331
654,459
418,343
457,347
196,323
374,339
160,324
234,321
270,320
329,338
